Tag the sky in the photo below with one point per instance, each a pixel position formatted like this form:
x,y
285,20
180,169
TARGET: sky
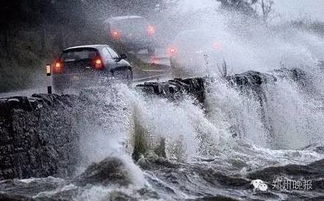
x,y
185,6
287,9
300,8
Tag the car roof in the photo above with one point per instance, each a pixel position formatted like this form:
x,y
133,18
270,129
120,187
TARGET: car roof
x,y
126,17
96,46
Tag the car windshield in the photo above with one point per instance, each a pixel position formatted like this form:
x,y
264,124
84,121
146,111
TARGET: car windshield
x,y
130,25
79,54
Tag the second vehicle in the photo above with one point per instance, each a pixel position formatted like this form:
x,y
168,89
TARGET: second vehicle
x,y
134,32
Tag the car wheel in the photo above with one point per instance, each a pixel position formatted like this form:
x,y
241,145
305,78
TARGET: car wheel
x,y
124,75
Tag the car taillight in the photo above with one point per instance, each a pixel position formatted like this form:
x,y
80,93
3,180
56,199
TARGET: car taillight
x,y
58,67
97,64
115,34
151,30
172,51
217,46
155,60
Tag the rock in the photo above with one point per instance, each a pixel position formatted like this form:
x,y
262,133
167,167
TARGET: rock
x,y
7,197
251,79
175,89
119,196
111,170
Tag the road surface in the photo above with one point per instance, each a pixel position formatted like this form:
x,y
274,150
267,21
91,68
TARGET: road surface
x,y
140,76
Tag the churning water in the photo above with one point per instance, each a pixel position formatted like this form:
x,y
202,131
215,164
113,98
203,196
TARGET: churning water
x,y
192,152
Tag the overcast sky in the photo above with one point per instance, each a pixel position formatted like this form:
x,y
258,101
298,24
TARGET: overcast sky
x,y
300,8
286,8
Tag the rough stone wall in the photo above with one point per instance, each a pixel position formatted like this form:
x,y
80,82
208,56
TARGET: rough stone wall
x,y
36,137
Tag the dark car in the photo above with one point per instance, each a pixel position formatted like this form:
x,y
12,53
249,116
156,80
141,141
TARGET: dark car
x,y
134,32
89,65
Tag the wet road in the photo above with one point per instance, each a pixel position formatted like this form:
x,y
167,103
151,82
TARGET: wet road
x,y
160,73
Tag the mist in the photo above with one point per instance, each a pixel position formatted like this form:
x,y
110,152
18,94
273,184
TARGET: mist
x,y
249,43
292,9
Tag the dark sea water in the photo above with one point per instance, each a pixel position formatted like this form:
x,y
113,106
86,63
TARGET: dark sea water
x,y
165,180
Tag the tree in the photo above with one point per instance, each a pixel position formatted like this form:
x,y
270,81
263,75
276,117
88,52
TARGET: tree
x,y
243,6
266,8
257,8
